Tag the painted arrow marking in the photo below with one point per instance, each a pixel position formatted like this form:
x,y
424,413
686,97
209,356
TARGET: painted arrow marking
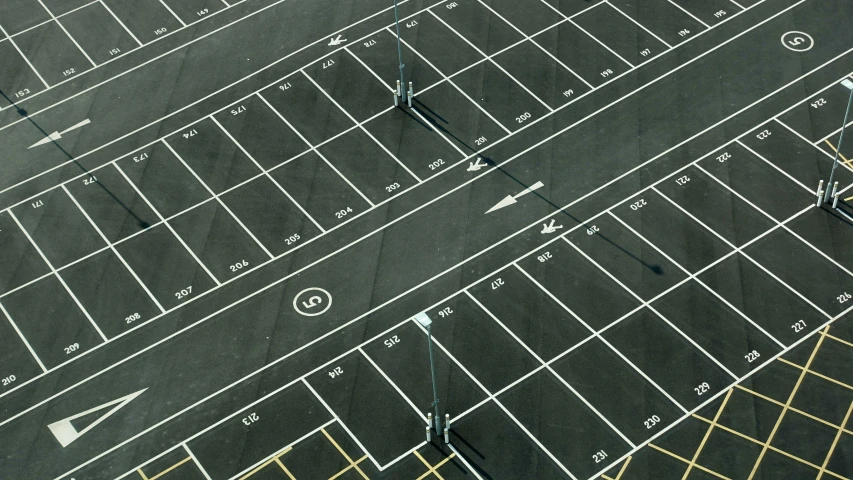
x,y
550,228
57,135
510,199
476,166
337,41
65,432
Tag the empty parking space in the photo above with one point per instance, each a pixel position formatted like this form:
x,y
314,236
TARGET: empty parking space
x,y
270,215
722,332
307,108
668,358
624,36
21,15
58,227
747,287
18,364
367,166
375,51
500,95
794,155
217,160
458,118
442,48
322,455
320,190
165,267
258,432
414,141
357,393
218,240
20,262
636,264
829,232
146,19
757,181
559,419
528,312
52,53
113,205
17,79
820,115
617,391
351,85
529,17
663,18
61,7
478,25
163,180
194,10
51,321
403,354
260,131
715,206
479,343
111,38
579,285
665,226
710,11
804,269
580,52
109,293
540,73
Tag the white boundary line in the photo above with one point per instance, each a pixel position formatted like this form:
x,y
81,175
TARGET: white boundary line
x,y
69,37
51,19
110,11
639,25
23,338
690,14
394,385
27,60
183,24
197,463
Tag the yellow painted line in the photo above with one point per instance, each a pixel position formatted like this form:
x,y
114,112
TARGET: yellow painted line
x,y
622,470
788,403
793,409
678,457
834,443
845,342
352,465
707,434
433,469
141,474
286,471
817,374
605,477
155,477
845,161
341,450
264,465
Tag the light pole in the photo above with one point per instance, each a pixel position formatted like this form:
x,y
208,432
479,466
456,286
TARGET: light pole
x,y
424,320
849,84
401,88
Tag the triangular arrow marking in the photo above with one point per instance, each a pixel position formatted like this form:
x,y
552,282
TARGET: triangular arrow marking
x,y
65,433
511,199
75,127
57,135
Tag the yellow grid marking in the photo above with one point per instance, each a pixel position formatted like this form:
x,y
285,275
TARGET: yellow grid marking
x,y
433,469
834,442
678,457
793,409
787,404
155,477
622,470
707,434
845,342
849,387
352,465
845,161
342,452
286,471
263,465
605,477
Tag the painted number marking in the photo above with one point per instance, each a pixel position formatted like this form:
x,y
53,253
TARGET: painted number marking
x,y
844,297
9,380
702,388
132,318
392,341
251,418
480,141
37,204
434,165
799,326
239,265
184,293
544,257
592,230
161,31
392,187
411,24
336,372
763,135
452,5
238,110
68,72
292,239
645,52
523,117
638,204
651,422
752,356
22,93
725,156
72,348
343,213
202,12
445,312
90,180
682,180
191,133
599,456
568,93
140,158
607,73
115,51
818,103
369,43
497,283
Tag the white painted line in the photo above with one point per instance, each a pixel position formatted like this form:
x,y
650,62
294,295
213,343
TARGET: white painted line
x,y
266,173
780,122
561,63
464,461
115,252
174,233
440,134
346,49
638,24
783,172
219,200
173,13
688,13
366,131
394,385
23,338
335,415
574,14
27,60
489,58
121,23
739,5
197,463
314,149
602,43
70,38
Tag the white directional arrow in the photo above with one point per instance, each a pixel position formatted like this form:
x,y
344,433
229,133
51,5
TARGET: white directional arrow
x,y
476,166
57,135
550,228
65,432
510,199
337,41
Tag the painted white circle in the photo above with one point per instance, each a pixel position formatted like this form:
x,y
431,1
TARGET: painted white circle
x,y
312,302
798,41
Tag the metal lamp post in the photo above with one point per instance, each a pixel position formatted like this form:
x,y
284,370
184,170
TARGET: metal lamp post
x,y
401,87
849,84
424,320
